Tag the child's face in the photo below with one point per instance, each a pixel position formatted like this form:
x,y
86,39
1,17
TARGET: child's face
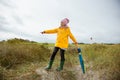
x,y
63,24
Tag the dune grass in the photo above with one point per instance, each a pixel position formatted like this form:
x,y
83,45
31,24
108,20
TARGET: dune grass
x,y
13,54
16,55
19,57
105,59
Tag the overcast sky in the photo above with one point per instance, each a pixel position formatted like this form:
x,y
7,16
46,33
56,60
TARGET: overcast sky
x,y
99,19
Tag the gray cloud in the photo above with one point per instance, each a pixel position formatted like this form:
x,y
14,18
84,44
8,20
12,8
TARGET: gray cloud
x,y
18,19
7,3
3,21
99,19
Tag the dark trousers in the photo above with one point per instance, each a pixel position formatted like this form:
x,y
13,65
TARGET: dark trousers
x,y
62,52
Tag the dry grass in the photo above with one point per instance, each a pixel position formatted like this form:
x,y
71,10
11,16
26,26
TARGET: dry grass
x,y
13,54
21,57
105,59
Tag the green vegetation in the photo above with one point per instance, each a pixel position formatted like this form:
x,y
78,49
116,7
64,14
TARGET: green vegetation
x,y
105,59
20,58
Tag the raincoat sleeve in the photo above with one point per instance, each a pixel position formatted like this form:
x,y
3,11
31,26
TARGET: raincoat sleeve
x,y
72,37
51,31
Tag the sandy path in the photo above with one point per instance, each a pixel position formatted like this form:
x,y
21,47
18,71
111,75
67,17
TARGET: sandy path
x,y
76,71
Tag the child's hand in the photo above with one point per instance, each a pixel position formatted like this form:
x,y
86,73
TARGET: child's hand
x,y
76,44
79,50
42,32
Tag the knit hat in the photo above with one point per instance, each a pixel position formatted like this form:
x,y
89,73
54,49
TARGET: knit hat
x,y
65,21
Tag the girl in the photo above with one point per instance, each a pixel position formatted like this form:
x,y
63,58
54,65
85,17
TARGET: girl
x,y
63,32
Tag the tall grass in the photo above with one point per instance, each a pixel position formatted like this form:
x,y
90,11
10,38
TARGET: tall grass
x,y
104,58
98,57
13,54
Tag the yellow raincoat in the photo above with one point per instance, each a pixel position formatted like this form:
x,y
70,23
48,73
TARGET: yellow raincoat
x,y
62,36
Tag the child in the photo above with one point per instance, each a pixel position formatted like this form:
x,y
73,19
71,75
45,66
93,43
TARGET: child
x,y
63,32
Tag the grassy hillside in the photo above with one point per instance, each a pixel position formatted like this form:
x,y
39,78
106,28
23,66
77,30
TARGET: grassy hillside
x,y
20,58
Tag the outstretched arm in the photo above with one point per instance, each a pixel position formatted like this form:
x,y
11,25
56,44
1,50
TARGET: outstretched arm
x,y
50,31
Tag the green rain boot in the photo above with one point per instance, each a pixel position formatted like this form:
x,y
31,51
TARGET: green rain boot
x,y
61,66
49,65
